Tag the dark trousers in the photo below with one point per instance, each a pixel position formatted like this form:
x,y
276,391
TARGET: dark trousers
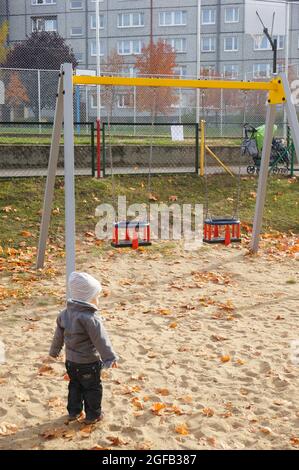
x,y
85,388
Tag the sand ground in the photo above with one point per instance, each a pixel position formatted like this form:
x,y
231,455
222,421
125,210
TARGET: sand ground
x,y
204,340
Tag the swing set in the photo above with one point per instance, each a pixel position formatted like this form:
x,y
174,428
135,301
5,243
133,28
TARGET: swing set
x,y
279,93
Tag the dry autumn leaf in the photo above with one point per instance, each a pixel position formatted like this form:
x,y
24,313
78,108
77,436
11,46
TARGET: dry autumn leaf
x,y
173,325
46,370
208,412
26,234
157,407
117,441
162,391
225,358
294,441
8,429
182,429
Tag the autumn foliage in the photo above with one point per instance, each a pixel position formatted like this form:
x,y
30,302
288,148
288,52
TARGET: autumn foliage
x,y
156,60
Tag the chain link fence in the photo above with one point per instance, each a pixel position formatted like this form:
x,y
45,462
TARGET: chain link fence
x,y
138,117
25,148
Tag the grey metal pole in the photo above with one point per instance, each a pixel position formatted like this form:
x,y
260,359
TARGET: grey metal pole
x,y
291,113
49,191
69,171
262,184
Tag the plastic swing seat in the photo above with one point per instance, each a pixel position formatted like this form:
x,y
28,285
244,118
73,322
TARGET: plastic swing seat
x,y
131,240
222,231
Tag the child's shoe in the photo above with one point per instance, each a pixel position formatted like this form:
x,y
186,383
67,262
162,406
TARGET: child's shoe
x,y
94,421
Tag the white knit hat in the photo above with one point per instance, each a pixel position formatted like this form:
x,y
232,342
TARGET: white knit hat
x,y
83,286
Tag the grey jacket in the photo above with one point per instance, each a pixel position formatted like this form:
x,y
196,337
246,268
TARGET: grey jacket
x,y
84,335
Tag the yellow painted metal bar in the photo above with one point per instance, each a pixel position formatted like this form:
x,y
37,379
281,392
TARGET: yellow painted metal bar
x,y
176,83
219,161
202,147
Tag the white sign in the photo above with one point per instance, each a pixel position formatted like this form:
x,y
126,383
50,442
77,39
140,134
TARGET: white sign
x,y
2,93
265,9
177,133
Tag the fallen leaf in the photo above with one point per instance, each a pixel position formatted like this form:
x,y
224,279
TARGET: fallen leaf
x,y
187,399
265,430
209,412
45,370
157,407
117,441
173,198
182,429
173,325
294,441
225,358
8,429
86,431
26,234
162,391
137,403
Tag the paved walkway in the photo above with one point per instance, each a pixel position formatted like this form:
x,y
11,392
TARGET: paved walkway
x,y
33,172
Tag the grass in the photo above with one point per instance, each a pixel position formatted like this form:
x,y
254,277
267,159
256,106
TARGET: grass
x,y
116,140
21,201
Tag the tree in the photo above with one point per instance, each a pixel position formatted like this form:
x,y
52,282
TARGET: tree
x,y
16,95
113,66
45,51
3,45
156,60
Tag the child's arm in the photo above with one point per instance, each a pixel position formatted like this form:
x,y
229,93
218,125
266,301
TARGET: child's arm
x,y
101,341
58,340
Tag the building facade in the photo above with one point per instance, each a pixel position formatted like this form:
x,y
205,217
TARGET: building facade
x,y
127,25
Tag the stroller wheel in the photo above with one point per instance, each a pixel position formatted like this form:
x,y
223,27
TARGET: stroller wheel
x,y
257,170
251,170
275,170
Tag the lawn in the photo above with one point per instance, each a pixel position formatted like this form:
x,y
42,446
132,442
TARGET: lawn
x,y
21,201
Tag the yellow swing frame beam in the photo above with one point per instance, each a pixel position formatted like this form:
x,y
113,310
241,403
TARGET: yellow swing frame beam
x,y
276,94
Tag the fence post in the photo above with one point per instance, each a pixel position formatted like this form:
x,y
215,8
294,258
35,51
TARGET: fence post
x,y
98,148
104,150
92,151
197,148
202,147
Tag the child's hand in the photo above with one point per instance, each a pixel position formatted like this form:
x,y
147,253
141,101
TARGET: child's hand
x,y
48,359
114,365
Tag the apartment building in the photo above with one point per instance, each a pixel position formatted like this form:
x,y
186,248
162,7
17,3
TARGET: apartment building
x,y
217,39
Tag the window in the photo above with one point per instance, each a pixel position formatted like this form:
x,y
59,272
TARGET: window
x,y
44,24
208,44
125,47
79,57
93,48
125,100
180,71
93,102
262,70
231,70
76,5
261,43
177,44
43,2
231,15
130,20
208,16
231,44
129,71
208,70
173,18
93,21
76,31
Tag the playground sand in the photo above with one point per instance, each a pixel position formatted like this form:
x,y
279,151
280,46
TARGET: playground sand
x,y
204,340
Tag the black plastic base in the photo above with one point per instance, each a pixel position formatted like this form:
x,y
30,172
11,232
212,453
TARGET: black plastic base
x,y
221,240
128,244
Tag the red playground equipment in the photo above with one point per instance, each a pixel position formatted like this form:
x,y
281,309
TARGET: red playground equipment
x,y
222,231
128,234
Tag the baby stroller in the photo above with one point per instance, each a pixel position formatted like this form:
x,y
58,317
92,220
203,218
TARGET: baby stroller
x,y
252,146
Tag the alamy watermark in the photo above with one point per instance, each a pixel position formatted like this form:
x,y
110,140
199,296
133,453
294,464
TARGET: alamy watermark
x,y
167,222
2,353
294,352
295,92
